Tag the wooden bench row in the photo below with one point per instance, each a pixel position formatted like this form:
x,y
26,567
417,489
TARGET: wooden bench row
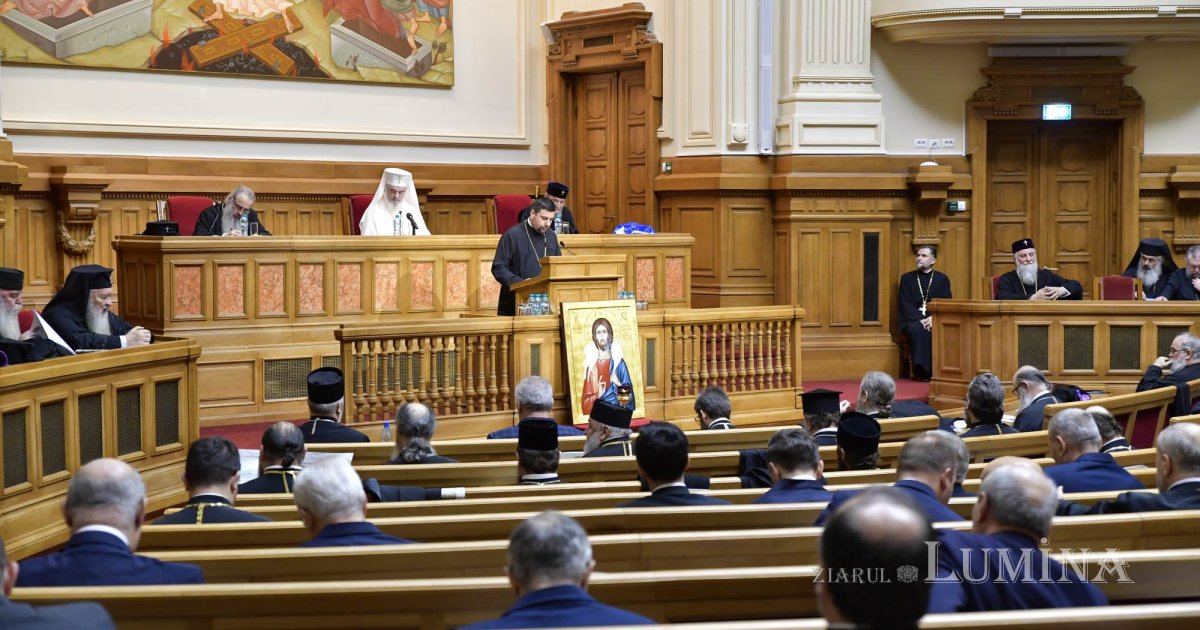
x,y
666,596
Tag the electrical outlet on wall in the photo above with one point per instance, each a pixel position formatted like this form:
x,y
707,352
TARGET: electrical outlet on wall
x,y
920,143
948,143
935,143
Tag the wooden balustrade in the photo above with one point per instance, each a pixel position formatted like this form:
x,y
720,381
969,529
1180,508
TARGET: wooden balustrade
x,y
465,368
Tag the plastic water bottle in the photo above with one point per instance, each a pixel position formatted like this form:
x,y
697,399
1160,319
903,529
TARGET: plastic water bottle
x,y
558,222
396,224
244,224
386,436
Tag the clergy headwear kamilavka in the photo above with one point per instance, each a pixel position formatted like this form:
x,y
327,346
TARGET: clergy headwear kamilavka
x,y
326,386
537,434
12,279
1021,245
821,401
857,432
395,177
555,189
612,415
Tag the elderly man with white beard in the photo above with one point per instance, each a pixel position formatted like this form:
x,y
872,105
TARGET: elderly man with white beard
x,y
1153,265
17,346
394,210
234,216
80,313
1028,282
1033,394
1182,364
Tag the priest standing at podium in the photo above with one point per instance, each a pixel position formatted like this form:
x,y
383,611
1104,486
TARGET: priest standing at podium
x,y
917,289
520,249
1028,282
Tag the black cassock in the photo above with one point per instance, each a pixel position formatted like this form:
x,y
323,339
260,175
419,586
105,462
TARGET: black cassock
x,y
516,259
73,328
1012,289
934,284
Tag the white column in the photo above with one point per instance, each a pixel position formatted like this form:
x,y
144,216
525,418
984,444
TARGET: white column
x,y
827,101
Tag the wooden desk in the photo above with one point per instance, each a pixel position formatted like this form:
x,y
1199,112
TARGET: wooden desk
x,y
265,309
138,404
1092,344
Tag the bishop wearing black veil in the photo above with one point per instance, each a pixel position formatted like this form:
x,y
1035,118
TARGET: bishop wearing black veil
x,y
80,313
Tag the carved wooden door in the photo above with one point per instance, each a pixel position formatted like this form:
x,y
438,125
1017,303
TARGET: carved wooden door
x,y
1054,182
611,169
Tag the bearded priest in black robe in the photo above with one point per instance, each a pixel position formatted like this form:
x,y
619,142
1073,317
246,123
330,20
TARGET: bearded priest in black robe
x,y
917,289
80,313
1028,282
520,249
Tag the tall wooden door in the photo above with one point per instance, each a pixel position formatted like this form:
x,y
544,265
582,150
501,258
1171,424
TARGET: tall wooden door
x,y
1054,182
609,153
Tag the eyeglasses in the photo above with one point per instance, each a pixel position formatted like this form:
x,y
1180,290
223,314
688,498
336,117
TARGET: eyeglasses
x,y
1175,350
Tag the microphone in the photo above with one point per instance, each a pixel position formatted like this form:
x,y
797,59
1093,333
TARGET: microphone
x,y
244,224
564,246
412,222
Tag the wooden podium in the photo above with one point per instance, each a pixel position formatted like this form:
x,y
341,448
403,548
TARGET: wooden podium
x,y
574,279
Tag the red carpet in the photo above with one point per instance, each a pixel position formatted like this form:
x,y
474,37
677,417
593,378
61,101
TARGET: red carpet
x,y
249,435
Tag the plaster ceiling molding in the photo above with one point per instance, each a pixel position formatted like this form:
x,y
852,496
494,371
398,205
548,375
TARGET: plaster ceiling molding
x,y
1062,22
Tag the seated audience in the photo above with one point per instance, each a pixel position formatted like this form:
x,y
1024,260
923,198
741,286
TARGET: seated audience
x,y
535,399
713,409
226,218
662,457
877,398
105,509
415,425
1112,436
17,346
279,459
1000,566
795,464
985,407
608,431
821,413
394,210
1033,393
1176,470
18,616
333,507
549,563
1079,464
962,465
1153,264
858,442
537,452
880,532
1185,281
1182,364
327,409
211,479
80,313
1029,282
926,472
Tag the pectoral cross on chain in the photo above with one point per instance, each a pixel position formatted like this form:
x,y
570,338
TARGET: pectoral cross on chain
x,y
922,310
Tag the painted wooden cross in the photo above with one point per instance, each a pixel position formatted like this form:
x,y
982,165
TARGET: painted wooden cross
x,y
235,37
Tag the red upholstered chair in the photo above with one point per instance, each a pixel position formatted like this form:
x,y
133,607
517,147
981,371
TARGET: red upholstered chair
x,y
184,210
25,319
505,208
358,207
1117,288
995,286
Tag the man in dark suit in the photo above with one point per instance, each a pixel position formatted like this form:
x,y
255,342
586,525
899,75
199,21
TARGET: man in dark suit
x,y
821,414
105,509
882,536
795,464
279,459
80,313
926,472
1112,436
327,409
415,425
713,409
211,478
18,616
917,289
999,566
1079,464
1182,364
1176,470
962,465
333,507
1185,282
1033,393
608,431
662,458
535,399
537,453
1028,282
549,564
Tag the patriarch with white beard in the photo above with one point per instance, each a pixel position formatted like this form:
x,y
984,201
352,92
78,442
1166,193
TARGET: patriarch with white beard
x,y
394,210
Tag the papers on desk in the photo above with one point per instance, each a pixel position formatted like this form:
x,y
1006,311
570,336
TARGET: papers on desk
x,y
50,333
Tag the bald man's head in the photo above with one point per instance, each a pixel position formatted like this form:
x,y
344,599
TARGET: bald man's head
x,y
1178,454
106,492
1016,496
882,533
1007,460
